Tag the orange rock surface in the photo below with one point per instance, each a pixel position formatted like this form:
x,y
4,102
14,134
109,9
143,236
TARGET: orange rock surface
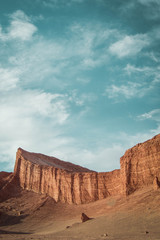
x,y
66,182
63,181
140,165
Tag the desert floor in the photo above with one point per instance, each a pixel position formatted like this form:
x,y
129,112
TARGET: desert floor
x,y
28,215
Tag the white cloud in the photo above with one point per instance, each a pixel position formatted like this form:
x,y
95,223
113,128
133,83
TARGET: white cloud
x,y
127,91
33,120
132,69
103,158
22,30
33,103
129,45
37,120
153,56
9,79
145,72
81,99
20,27
153,115
19,15
90,46
40,64
100,159
62,60
148,79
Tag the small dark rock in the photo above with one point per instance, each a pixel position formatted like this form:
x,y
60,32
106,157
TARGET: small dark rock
x,y
147,232
84,217
68,227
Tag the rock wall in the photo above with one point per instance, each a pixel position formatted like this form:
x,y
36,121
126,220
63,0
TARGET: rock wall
x,y
71,183
140,165
75,185
4,176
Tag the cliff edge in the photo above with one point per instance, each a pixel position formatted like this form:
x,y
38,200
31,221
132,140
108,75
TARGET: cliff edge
x,y
67,182
140,165
63,181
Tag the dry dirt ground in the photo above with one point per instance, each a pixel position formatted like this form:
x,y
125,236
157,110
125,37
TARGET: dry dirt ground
x,y
27,215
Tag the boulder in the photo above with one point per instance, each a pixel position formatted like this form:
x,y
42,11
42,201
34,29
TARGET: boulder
x,y
84,217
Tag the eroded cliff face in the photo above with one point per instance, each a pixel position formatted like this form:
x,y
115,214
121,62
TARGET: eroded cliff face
x,y
140,165
70,183
63,181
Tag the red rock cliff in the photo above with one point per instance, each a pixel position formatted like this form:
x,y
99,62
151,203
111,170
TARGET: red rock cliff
x,y
63,181
71,183
140,165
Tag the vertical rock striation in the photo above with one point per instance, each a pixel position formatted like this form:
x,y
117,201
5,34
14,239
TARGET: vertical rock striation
x,y
63,181
71,183
140,165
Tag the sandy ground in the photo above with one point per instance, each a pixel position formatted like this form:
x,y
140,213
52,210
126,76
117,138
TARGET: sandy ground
x,y
27,215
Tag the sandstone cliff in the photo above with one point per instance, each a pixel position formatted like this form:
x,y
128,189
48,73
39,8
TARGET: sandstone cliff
x,y
140,165
70,183
63,181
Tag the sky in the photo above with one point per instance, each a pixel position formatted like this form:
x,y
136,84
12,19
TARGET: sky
x,y
79,79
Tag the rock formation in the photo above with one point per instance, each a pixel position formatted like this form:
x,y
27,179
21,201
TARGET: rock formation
x,y
84,217
66,182
63,181
140,165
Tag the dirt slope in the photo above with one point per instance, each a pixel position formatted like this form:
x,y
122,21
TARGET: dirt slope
x,y
34,216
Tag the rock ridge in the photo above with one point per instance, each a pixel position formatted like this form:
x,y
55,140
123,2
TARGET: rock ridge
x,y
140,165
70,183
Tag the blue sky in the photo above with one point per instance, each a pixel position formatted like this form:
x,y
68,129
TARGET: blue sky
x,y
79,79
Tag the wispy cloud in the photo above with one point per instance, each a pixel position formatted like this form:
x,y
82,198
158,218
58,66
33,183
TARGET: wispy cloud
x,y
33,120
132,69
47,95
34,103
58,61
129,45
9,78
20,27
38,123
108,157
59,3
143,80
126,91
145,71
81,99
153,115
92,47
151,8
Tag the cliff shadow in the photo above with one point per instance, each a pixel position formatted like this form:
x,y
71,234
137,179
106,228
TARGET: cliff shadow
x,y
10,189
6,219
12,232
